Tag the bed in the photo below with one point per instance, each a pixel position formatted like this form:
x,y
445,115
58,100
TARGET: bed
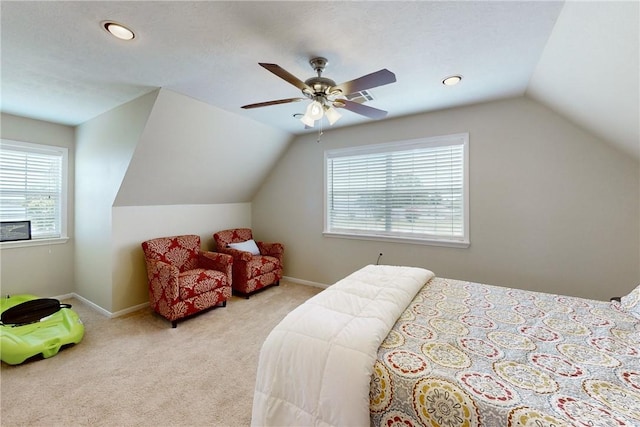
x,y
397,346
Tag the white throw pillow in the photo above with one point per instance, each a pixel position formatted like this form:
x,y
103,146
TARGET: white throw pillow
x,y
248,246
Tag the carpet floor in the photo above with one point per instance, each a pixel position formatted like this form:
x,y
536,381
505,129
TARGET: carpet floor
x,y
135,370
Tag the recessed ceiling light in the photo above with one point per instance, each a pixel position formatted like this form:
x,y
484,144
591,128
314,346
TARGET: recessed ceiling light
x,y
451,80
118,30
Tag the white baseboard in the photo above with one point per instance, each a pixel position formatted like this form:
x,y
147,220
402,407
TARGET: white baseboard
x,y
305,282
93,305
99,309
128,310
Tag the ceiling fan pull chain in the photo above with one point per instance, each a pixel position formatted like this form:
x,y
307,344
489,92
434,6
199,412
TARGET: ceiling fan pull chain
x,y
320,133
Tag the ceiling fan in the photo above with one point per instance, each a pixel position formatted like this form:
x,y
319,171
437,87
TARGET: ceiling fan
x,y
326,95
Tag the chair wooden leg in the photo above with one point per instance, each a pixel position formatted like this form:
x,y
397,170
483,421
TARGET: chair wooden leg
x,y
224,303
174,323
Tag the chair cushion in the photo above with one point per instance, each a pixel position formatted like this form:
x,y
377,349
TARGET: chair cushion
x,y
198,281
261,264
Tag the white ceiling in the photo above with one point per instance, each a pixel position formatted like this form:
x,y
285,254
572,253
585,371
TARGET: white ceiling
x,y
59,65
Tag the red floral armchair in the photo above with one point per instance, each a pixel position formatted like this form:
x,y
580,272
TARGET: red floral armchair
x,y
183,279
251,272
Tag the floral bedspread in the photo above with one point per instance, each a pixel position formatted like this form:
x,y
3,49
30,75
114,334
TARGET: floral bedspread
x,y
469,354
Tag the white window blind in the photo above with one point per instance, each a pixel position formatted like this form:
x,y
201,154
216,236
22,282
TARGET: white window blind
x,y
32,186
415,190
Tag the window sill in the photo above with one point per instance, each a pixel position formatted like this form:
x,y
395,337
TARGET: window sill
x,y
427,242
33,242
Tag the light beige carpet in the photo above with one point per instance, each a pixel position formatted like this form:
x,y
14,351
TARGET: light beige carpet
x,y
136,370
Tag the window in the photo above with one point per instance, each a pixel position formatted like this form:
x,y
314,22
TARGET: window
x,y
33,181
414,191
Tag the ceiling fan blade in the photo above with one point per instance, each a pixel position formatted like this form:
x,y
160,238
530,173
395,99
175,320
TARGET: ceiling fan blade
x,y
276,102
285,75
365,110
379,78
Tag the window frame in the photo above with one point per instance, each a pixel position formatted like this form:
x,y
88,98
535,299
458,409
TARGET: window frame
x,y
435,141
64,183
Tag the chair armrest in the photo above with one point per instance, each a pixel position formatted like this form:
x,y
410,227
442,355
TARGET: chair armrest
x,y
236,254
217,261
271,249
164,276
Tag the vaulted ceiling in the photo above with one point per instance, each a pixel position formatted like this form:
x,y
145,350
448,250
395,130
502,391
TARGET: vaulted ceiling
x,y
580,58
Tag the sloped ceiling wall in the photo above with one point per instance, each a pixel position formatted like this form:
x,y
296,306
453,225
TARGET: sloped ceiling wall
x,y
588,70
193,153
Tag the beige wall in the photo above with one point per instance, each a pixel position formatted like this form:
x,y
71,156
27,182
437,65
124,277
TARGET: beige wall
x,y
104,147
552,208
40,270
160,165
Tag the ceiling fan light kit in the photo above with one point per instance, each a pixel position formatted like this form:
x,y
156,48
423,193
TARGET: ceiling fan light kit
x,y
314,110
309,118
332,114
325,95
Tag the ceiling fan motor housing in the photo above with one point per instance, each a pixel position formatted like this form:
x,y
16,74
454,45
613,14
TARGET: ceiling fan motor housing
x,y
320,85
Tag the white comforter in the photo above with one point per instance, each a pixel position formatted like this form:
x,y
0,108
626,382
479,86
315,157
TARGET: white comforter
x,y
315,366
